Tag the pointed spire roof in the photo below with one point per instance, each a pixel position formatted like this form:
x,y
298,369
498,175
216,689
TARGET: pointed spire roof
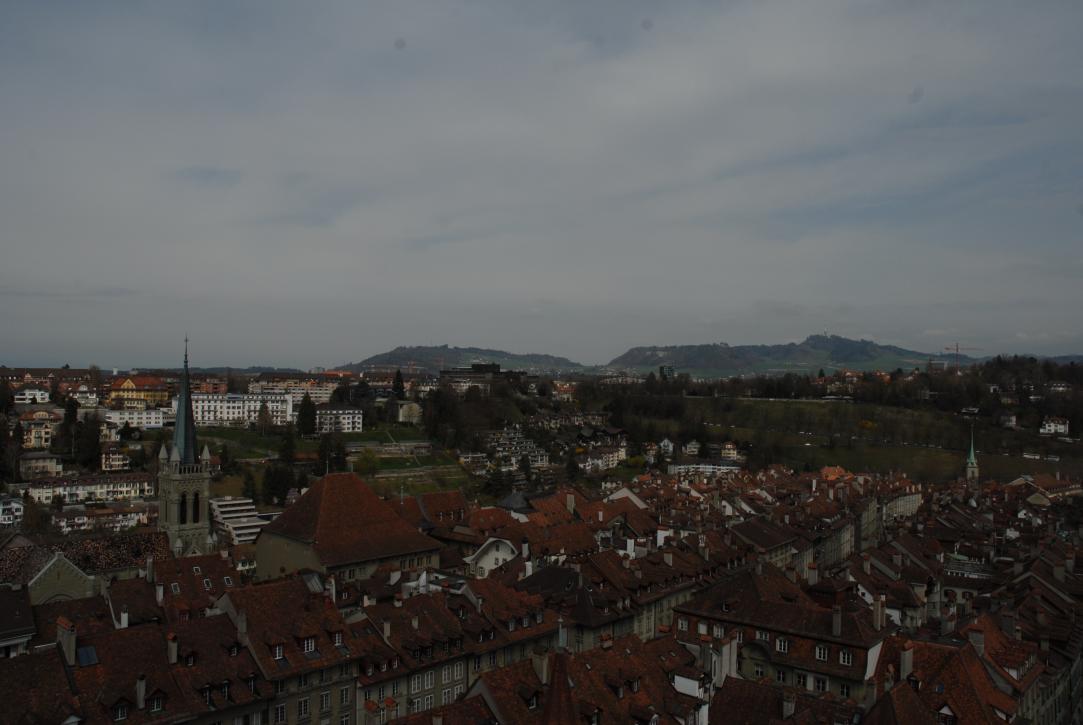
x,y
972,459
184,435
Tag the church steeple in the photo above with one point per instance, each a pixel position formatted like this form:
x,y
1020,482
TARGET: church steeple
x,y
184,434
972,460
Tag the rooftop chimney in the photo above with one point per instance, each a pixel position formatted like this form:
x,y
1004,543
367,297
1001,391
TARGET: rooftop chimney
x,y
171,647
123,617
159,593
387,629
569,501
667,557
977,640
906,660
413,622
150,567
878,612
141,692
836,620
866,563
789,704
526,548
540,660
65,639
813,575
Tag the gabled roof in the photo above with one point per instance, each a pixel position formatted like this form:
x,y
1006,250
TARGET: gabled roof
x,y
346,522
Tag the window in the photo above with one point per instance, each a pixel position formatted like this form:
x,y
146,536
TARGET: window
x,y
325,701
740,636
415,683
428,702
279,686
763,636
782,645
446,674
492,659
758,671
277,651
338,639
701,628
302,707
458,670
946,718
780,677
445,696
228,581
430,679
846,657
395,689
801,680
302,680
207,584
344,720
416,704
344,696
820,684
309,644
477,664
844,690
280,713
225,690
821,652
682,624
234,650
196,570
156,703
344,669
718,631
175,587
120,711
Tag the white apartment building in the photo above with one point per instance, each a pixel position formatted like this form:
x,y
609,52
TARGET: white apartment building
x,y
338,419
105,487
144,419
31,395
236,519
11,511
318,390
220,409
1054,426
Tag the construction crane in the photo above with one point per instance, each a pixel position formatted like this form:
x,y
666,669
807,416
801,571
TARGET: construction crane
x,y
956,349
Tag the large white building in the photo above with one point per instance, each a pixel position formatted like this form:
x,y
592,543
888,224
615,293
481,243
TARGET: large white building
x,y
318,390
338,419
145,419
104,487
236,519
210,409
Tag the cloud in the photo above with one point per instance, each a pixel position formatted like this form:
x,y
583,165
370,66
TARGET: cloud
x,y
747,171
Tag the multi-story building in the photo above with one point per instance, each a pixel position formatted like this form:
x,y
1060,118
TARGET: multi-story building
x,y
239,408
332,418
784,635
31,394
236,519
139,391
302,646
11,511
319,390
341,527
148,419
80,488
35,464
39,427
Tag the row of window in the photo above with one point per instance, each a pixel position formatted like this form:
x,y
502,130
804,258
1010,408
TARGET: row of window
x,y
782,644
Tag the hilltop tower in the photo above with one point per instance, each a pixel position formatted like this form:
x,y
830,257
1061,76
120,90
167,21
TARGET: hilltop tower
x,y
972,463
184,481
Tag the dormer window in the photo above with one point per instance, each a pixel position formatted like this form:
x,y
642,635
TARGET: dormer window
x,y
196,570
277,651
821,652
234,650
175,588
120,711
207,695
252,683
538,617
492,633
394,663
383,666
225,690
207,584
308,645
190,661
635,685
532,703
156,703
369,670
228,581
338,639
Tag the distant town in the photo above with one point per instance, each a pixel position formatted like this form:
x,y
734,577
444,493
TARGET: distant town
x,y
473,543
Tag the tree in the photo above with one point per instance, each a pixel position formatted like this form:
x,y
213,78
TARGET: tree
x,y
399,387
287,449
263,419
524,466
88,442
57,503
36,518
366,463
572,467
94,376
332,453
306,417
7,398
277,482
248,487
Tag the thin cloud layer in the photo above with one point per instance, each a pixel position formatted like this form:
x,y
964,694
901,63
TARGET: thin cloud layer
x,y
301,186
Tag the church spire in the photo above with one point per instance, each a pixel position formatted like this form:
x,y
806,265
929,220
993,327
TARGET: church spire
x,y
972,473
184,434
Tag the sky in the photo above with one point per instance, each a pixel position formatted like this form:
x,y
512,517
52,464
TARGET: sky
x,y
303,184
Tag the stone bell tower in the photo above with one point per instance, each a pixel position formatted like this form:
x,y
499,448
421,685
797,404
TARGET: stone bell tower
x,y
184,481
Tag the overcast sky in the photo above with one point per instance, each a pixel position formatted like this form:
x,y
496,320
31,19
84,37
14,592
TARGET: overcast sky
x,y
309,184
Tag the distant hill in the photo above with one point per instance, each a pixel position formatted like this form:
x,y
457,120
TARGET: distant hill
x,y
435,358
829,352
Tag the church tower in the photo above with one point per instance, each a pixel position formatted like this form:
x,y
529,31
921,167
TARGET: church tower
x,y
184,481
972,463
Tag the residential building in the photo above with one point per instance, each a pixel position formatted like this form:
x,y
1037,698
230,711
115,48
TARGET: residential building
x,y
139,391
239,409
331,418
236,519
